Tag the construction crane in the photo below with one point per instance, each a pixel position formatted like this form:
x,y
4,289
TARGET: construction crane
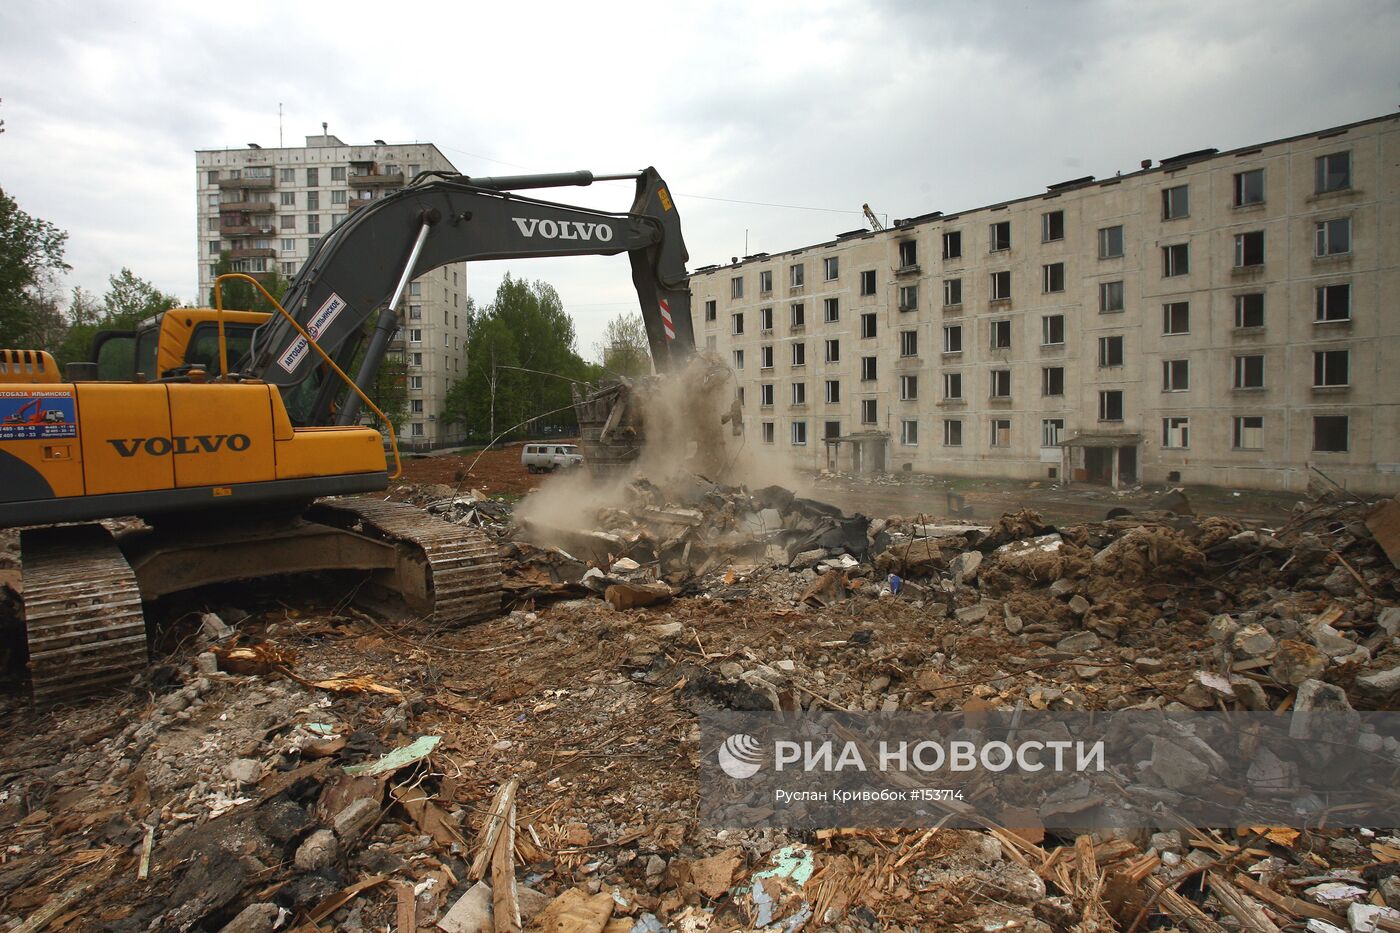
x,y
870,216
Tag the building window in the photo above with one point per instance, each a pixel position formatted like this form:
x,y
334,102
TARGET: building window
x,y
1330,433
908,253
766,430
1001,383
868,414
952,386
1052,226
952,432
313,200
415,289
1001,432
867,282
736,323
287,222
213,225
288,245
908,343
831,310
1333,172
1050,431
908,387
416,429
1000,236
833,391
338,173
312,243
1053,277
1333,237
1249,310
1331,368
1176,202
868,370
1332,303
1052,330
415,312
797,316
1249,187
765,320
212,177
1111,242
286,176
1176,375
1110,297
1052,380
313,223
1176,317
1176,433
799,434
417,359
797,275
908,297
1249,372
765,356
1111,405
287,199
1110,351
765,281
711,309
415,383
952,292
738,359
736,287
952,245
338,196
289,268
799,354
831,429
831,266
765,395
415,406
952,338
313,177
1001,286
1249,249
214,247
909,433
1001,335
833,351
799,393
1249,433
867,326
1176,259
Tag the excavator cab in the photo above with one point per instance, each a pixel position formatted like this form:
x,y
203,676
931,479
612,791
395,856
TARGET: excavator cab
x,y
174,343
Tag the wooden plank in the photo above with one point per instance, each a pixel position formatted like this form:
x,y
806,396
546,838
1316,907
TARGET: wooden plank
x,y
505,901
1240,905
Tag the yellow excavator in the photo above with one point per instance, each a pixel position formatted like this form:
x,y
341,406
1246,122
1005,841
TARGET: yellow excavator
x,y
225,431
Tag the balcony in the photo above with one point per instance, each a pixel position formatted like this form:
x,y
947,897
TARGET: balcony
x,y
240,252
236,230
909,269
378,179
249,207
262,183
357,203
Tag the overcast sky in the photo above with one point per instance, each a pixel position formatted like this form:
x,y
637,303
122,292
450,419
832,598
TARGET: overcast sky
x,y
910,106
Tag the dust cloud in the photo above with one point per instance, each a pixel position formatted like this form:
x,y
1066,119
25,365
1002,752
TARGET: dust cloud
x,y
687,419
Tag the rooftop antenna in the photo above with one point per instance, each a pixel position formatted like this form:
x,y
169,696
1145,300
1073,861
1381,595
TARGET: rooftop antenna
x,y
279,124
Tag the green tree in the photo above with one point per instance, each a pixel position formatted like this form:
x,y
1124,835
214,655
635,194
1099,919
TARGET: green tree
x,y
130,300
31,252
84,320
624,348
521,358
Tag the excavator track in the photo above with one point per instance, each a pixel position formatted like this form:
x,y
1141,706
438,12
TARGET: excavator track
x,y
462,583
82,612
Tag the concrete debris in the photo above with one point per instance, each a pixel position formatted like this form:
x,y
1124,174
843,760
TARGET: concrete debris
x,y
269,794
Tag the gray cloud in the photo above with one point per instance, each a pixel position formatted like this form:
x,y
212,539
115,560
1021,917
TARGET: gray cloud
x,y
912,106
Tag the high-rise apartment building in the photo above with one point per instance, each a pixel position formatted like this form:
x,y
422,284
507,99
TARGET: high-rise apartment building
x,y
1222,317
268,208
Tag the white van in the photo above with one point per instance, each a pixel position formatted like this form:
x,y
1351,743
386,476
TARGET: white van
x,y
545,458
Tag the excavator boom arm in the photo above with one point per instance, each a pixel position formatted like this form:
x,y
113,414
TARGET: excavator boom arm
x,y
444,219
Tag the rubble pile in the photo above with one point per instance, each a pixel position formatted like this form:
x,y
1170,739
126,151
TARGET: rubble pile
x,y
311,766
